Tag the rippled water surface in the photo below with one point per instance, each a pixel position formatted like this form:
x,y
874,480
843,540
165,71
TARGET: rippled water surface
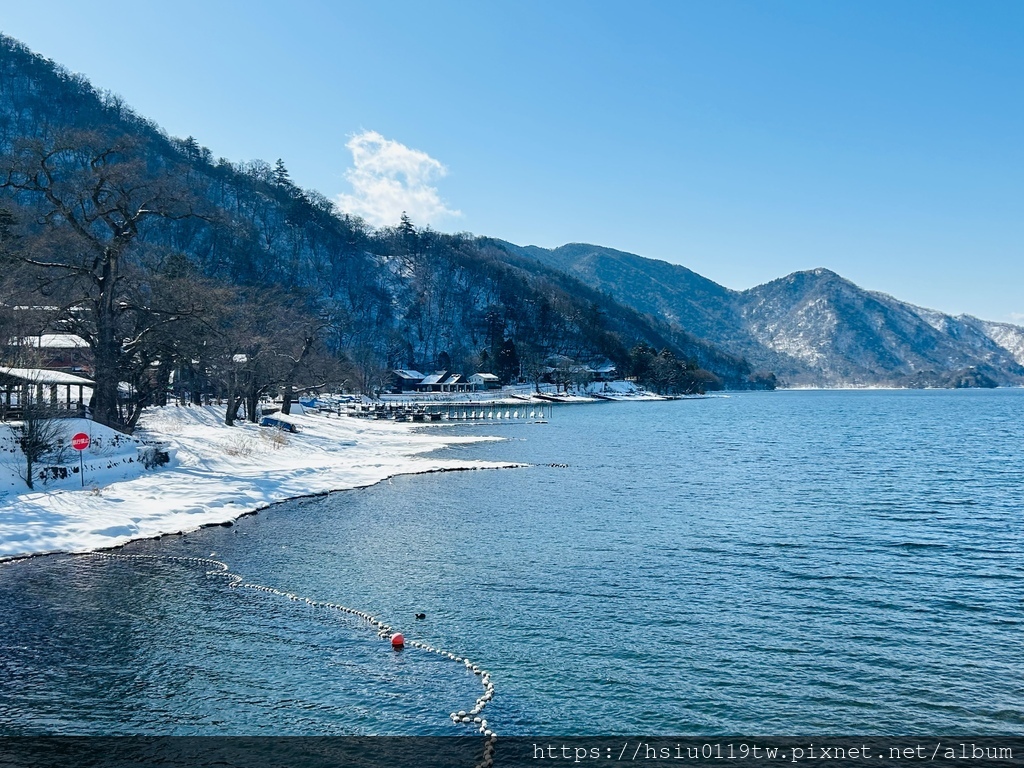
x,y
790,562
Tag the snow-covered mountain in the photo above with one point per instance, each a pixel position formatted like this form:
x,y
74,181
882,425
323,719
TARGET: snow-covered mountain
x,y
810,328
827,330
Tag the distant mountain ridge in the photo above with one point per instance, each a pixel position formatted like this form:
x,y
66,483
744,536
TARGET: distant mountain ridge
x,y
812,328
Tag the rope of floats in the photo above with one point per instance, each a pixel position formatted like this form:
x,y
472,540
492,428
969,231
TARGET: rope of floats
x,y
472,717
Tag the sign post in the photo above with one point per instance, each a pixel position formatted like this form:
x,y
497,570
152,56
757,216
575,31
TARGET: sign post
x,y
80,442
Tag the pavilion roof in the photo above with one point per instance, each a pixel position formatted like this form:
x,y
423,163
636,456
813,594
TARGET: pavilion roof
x,y
42,376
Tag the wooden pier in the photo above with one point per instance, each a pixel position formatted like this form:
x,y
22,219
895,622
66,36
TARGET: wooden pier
x,y
523,412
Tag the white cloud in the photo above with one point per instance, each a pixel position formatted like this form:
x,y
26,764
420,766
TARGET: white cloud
x,y
387,178
1017,317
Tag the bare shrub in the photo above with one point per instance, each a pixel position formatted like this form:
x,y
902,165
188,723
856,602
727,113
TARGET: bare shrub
x,y
240,445
39,435
276,439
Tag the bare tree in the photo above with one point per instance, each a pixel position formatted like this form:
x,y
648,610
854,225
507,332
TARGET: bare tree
x,y
38,434
88,198
370,375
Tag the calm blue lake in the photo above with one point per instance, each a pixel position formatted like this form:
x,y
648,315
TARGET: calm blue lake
x,y
788,563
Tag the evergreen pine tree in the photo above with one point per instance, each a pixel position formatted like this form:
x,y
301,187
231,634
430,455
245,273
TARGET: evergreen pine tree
x,y
281,177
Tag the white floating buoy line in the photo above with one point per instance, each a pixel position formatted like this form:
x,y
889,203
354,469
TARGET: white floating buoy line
x,y
385,631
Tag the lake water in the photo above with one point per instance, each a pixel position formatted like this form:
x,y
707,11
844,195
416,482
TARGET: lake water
x,y
789,562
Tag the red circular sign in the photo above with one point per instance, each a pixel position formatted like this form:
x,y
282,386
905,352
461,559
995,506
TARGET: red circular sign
x,y
80,441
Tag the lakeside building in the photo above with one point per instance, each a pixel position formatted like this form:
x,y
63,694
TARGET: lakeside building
x,y
485,381
605,372
405,381
21,387
55,351
442,381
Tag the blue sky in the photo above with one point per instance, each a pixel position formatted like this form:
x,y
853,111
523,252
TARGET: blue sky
x,y
883,140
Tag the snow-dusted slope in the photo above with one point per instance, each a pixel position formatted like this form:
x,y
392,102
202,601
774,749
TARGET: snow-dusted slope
x,y
1009,337
217,474
840,334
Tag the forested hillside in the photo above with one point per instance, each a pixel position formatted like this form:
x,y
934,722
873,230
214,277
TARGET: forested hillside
x,y
177,266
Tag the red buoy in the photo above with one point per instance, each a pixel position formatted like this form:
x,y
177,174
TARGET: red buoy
x,y
397,641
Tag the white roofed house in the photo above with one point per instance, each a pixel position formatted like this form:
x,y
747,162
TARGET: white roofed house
x,y
431,383
50,349
61,351
605,372
485,381
442,381
456,382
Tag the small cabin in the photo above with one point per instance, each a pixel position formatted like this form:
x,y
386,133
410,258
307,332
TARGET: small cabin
x,y
605,372
485,381
405,380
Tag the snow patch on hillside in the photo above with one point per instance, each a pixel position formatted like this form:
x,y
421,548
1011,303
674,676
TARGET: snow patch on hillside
x,y
1009,337
802,334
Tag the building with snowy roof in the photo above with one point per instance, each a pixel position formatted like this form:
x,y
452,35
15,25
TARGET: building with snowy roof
x,y
22,387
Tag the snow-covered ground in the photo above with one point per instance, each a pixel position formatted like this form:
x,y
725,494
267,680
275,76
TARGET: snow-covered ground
x,y
215,474
621,390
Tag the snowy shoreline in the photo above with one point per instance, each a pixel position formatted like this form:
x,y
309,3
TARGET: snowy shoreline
x,y
216,475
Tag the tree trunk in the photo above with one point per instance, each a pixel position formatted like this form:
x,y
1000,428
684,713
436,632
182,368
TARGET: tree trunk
x,y
289,385
229,414
163,383
252,404
286,402
107,350
29,468
104,393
